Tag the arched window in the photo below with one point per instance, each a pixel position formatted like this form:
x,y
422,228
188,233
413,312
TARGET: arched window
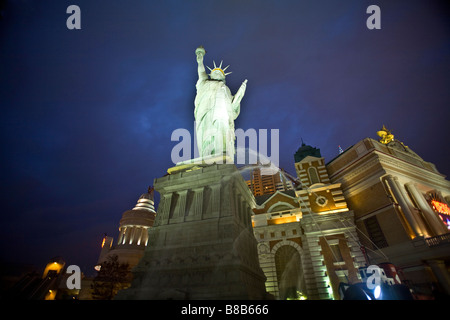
x,y
313,176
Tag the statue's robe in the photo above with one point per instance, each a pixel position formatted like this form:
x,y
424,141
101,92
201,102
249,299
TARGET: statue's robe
x,y
214,116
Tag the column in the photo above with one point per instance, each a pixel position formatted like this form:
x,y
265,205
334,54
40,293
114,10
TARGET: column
x,y
140,240
441,273
144,236
132,234
166,201
180,207
138,235
121,233
197,204
215,200
126,237
396,190
432,218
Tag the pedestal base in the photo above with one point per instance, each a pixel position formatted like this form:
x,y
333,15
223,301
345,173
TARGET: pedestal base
x,y
202,244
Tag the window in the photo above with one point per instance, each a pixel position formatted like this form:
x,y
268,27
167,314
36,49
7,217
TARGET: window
x,y
313,177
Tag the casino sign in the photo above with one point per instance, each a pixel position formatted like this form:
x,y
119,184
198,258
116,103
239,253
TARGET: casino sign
x,y
441,208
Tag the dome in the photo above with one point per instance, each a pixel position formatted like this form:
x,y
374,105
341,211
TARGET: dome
x,y
145,201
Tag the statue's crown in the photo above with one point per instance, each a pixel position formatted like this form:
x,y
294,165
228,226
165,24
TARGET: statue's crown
x,y
219,68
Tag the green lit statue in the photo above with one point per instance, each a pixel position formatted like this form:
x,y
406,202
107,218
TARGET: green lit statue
x,y
215,110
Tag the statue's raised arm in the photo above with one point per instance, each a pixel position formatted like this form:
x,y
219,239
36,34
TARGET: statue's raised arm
x,y
200,53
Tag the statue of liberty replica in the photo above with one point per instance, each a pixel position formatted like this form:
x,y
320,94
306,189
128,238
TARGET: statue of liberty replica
x,y
215,110
201,245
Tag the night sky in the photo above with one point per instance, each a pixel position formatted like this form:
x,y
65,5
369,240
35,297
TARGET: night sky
x,y
87,115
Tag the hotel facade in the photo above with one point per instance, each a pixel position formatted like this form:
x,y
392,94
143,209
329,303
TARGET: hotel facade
x,y
401,207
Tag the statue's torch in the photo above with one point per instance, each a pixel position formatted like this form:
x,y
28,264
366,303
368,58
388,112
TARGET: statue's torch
x,y
200,51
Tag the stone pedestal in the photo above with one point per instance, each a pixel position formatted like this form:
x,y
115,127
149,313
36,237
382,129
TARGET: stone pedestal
x,y
201,245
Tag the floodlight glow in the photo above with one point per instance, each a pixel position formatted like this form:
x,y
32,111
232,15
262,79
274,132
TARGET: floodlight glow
x,y
377,292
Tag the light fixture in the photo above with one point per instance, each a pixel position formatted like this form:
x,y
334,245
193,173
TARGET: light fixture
x,y
377,292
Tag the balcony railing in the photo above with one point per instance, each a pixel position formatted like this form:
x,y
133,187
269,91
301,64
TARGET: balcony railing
x,y
438,240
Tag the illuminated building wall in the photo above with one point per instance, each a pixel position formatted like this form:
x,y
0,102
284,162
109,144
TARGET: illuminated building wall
x,y
391,190
307,240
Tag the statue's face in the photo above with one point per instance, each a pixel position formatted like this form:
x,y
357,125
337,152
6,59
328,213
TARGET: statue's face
x,y
217,75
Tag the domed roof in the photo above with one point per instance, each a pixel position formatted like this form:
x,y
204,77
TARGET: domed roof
x,y
146,201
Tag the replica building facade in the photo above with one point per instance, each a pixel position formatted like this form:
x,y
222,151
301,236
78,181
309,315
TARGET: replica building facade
x,y
401,208
307,240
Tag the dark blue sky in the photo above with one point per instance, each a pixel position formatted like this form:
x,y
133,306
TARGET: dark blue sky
x,y
87,115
